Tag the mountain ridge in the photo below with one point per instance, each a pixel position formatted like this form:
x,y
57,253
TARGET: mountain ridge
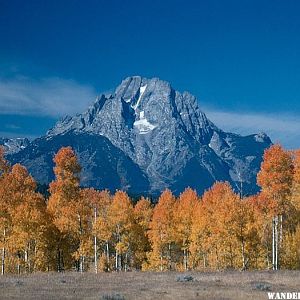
x,y
14,145
167,137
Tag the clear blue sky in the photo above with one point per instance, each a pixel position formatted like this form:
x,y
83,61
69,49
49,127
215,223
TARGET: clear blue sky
x,y
240,58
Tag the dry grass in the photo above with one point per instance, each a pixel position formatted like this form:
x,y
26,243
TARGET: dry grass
x,y
149,285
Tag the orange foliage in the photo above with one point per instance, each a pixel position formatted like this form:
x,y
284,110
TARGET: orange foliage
x,y
276,174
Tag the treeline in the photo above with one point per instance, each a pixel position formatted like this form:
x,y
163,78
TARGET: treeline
x,y
89,230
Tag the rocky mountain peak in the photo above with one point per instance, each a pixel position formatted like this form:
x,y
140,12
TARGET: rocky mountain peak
x,y
167,136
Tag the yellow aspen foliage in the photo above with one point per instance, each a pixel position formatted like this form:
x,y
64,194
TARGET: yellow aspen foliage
x,y
27,225
121,219
291,255
141,243
162,232
65,207
296,187
100,202
183,217
276,175
214,227
5,217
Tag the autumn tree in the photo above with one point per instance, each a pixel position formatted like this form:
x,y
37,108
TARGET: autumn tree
x,y
183,217
161,232
263,209
291,257
245,231
291,241
141,243
65,206
296,187
275,179
101,201
121,222
29,219
4,216
213,231
25,221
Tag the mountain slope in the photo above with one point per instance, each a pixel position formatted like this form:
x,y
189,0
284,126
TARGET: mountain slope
x,y
104,165
165,136
14,145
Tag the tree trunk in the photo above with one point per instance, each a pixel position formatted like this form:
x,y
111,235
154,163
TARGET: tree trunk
x,y
3,253
126,262
107,256
117,261
184,259
280,238
3,261
170,259
80,234
275,242
120,262
95,243
217,255
62,261
26,260
161,261
243,255
231,256
19,267
204,261
81,264
59,261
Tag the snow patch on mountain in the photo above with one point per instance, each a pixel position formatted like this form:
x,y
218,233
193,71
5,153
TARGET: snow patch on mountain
x,y
141,93
14,145
143,125
166,136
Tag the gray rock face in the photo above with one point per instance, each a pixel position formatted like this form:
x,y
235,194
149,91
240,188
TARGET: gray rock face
x,y
14,145
104,165
168,138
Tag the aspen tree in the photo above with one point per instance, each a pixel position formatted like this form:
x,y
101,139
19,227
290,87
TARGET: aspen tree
x,y
275,178
296,187
4,216
102,231
183,218
141,243
162,232
121,221
62,205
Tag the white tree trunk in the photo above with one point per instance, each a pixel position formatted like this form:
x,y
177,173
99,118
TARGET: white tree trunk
x,y
275,243
185,260
81,264
95,243
26,259
161,261
3,261
3,253
170,258
107,256
117,261
243,255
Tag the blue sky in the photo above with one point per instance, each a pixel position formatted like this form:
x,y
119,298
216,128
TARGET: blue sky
x,y
240,58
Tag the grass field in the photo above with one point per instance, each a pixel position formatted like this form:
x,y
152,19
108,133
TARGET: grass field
x,y
149,285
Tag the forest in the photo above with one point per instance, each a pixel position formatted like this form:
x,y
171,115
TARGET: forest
x,y
87,230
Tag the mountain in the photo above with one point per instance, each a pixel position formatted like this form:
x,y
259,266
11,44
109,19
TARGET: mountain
x,y
104,165
146,137
14,145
